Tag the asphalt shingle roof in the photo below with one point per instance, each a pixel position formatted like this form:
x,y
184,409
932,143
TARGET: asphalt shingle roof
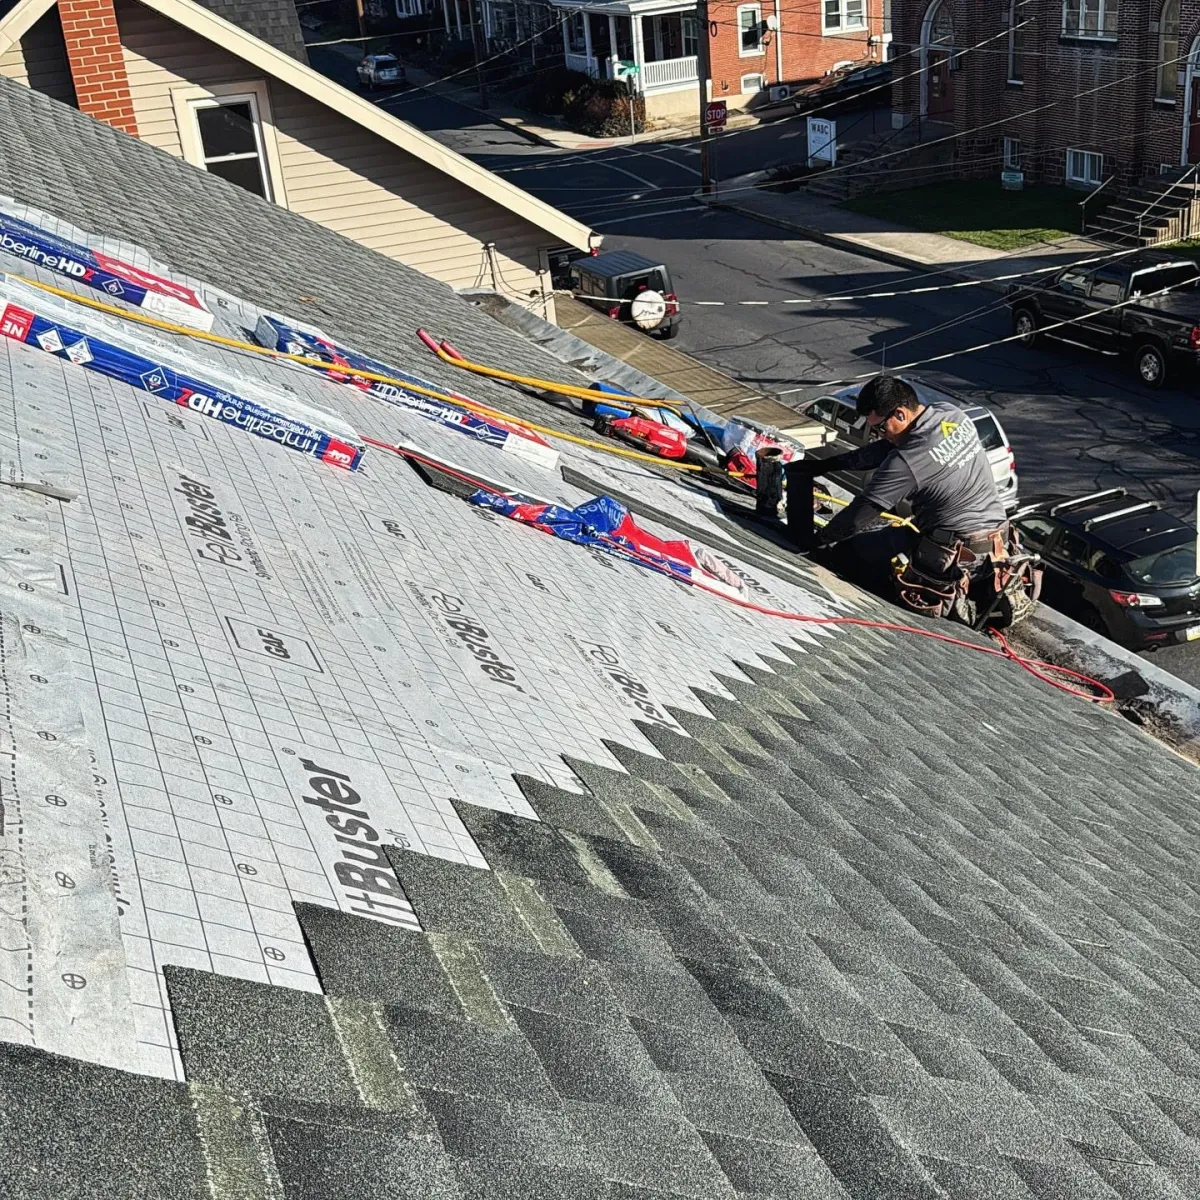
x,y
272,21
853,916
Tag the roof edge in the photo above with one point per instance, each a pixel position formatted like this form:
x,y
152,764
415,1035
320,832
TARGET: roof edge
x,y
16,23
303,78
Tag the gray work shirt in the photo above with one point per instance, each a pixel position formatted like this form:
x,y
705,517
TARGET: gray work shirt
x,y
941,466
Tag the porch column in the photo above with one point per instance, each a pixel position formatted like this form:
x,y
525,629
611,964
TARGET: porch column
x,y
458,19
587,34
612,46
639,51
446,15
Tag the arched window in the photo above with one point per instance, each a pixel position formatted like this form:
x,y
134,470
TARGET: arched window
x,y
1168,50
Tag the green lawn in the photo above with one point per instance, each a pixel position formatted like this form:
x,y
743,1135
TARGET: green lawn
x,y
980,211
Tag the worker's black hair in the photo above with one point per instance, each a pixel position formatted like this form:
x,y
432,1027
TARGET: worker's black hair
x,y
885,393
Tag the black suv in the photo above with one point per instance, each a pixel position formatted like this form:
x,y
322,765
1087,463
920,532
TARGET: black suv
x,y
1118,564
628,287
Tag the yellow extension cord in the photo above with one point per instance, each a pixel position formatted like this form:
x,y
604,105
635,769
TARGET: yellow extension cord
x,y
249,347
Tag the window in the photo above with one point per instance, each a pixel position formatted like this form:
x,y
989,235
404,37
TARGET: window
x,y
1074,283
750,29
1016,41
840,15
1036,531
1084,166
691,38
1108,287
1168,51
1012,154
1071,548
576,34
231,143
751,84
409,8
1090,18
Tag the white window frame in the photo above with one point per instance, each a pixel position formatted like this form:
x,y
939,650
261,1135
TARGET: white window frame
x,y
689,33
409,8
1088,158
1104,9
186,100
759,48
1012,154
844,22
756,88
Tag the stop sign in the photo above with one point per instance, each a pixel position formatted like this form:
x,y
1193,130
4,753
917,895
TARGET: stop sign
x,y
714,114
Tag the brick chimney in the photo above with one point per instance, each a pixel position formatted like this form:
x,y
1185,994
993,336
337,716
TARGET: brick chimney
x,y
94,51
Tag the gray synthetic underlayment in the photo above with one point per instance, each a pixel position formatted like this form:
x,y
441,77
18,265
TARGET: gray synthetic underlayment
x,y
258,670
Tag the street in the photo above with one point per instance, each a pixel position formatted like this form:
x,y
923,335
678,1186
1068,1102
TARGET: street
x,y
1076,422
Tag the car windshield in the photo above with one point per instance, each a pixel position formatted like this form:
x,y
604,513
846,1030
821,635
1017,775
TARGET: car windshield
x,y
989,432
1176,565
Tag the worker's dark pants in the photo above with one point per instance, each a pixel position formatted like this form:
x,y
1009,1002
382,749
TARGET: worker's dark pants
x,y
867,558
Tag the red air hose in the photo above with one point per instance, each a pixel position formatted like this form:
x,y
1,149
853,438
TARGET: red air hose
x,y
1040,669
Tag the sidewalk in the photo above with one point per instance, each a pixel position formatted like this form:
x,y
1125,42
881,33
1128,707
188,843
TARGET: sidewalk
x,y
823,221
546,130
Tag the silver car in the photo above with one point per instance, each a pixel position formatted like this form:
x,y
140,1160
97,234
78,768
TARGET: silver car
x,y
837,412
381,70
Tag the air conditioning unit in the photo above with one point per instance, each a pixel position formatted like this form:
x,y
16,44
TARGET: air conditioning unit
x,y
780,93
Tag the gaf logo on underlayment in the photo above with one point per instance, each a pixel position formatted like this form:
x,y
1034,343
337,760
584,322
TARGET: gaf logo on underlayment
x,y
277,647
463,631
218,535
393,529
539,583
606,661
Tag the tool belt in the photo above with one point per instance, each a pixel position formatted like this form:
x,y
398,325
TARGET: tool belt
x,y
938,579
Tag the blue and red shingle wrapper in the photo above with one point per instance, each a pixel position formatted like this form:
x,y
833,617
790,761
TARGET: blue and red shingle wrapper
x,y
291,337
31,242
606,524
134,356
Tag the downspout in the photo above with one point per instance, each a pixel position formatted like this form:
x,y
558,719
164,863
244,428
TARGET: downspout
x,y
778,44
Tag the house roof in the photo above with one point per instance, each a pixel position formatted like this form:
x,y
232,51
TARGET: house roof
x,y
278,63
272,21
805,912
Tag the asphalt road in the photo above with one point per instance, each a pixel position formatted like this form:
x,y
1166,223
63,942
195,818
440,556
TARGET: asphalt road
x,y
1076,422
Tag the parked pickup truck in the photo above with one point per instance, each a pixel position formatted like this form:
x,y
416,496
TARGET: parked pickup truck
x,y
1119,307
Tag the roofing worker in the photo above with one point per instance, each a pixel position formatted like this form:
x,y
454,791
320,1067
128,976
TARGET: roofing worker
x,y
931,455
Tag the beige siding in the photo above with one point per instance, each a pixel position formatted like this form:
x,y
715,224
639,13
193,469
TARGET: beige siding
x,y
39,60
334,171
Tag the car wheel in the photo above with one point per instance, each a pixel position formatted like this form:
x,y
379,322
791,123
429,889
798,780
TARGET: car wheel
x,y
1151,365
670,332
1025,326
1093,619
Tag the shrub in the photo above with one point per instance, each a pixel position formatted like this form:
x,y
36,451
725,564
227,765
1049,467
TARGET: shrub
x,y
552,88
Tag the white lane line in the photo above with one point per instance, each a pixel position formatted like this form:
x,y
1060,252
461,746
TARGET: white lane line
x,y
660,156
645,182
783,137
666,212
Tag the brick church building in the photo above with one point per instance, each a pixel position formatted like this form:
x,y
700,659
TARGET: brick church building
x,y
1074,91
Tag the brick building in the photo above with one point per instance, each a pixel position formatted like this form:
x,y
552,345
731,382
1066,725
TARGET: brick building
x,y
1075,91
753,47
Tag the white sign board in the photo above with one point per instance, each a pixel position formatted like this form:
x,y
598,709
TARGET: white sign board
x,y
822,141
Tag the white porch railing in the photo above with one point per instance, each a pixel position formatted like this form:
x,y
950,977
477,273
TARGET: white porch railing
x,y
581,62
668,72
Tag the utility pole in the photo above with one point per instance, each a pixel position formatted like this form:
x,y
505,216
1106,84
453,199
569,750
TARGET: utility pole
x,y
703,70
480,47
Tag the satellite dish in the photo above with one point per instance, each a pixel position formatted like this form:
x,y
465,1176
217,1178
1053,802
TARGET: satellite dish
x,y
648,309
